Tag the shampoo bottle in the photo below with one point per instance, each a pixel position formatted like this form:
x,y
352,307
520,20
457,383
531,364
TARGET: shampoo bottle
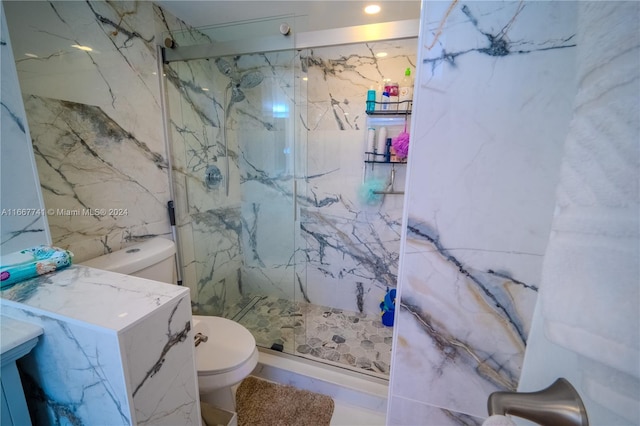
x,y
385,100
393,90
371,141
381,144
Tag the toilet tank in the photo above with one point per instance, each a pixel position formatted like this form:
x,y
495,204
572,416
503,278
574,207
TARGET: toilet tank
x,y
153,259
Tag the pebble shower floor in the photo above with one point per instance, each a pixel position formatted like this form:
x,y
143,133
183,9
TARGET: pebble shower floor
x,y
347,339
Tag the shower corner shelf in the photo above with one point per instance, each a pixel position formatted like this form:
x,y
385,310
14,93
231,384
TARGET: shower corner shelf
x,y
386,162
401,108
368,161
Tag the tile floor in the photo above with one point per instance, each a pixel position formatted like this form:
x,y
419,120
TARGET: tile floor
x,y
347,339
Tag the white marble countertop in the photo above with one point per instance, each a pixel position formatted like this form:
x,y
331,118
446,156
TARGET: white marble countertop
x,y
14,333
102,298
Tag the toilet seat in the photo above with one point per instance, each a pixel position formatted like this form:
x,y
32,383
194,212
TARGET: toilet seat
x,y
229,345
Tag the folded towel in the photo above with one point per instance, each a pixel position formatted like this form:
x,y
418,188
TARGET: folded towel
x,y
31,262
590,289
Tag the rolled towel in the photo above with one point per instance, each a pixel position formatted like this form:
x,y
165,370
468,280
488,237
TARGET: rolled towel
x,y
498,420
31,262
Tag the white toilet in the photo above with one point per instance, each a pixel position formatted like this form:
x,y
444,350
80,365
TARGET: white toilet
x,y
226,355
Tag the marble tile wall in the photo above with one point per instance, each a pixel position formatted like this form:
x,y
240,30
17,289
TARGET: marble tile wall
x,y
23,221
494,95
95,119
351,247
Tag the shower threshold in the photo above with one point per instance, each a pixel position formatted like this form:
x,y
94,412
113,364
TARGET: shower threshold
x,y
345,339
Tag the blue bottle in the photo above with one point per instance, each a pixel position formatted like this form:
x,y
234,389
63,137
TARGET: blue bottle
x,y
387,151
371,100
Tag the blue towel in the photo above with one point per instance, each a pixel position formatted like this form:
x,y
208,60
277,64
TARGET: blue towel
x,y
31,262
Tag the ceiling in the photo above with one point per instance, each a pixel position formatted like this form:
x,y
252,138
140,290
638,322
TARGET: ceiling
x,y
316,15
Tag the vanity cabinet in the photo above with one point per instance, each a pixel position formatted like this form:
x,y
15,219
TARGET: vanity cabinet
x,y
18,338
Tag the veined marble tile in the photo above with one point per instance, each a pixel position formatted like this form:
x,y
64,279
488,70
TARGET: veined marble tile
x,y
350,260
494,96
100,182
208,221
465,332
209,226
24,222
95,119
118,75
115,348
201,146
74,374
162,382
180,31
351,248
131,299
409,412
339,77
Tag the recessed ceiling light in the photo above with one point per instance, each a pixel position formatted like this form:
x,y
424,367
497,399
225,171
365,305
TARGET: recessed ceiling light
x,y
85,48
372,9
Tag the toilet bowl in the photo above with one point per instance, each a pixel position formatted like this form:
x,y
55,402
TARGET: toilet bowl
x,y
228,355
226,352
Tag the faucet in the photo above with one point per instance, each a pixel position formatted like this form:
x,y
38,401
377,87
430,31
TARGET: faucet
x,y
557,405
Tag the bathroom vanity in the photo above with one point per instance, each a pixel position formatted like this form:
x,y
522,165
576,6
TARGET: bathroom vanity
x,y
113,347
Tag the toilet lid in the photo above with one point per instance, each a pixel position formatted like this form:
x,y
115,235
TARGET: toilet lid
x,y
229,344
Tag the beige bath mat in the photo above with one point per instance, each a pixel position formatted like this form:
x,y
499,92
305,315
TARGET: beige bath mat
x,y
263,403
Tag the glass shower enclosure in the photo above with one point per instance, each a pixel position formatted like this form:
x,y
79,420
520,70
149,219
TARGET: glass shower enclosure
x,y
267,164
236,165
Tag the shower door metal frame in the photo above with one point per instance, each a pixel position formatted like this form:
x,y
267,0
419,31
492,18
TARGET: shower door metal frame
x,y
395,30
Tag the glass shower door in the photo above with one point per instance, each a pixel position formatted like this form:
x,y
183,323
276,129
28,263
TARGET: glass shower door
x,y
234,138
267,167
